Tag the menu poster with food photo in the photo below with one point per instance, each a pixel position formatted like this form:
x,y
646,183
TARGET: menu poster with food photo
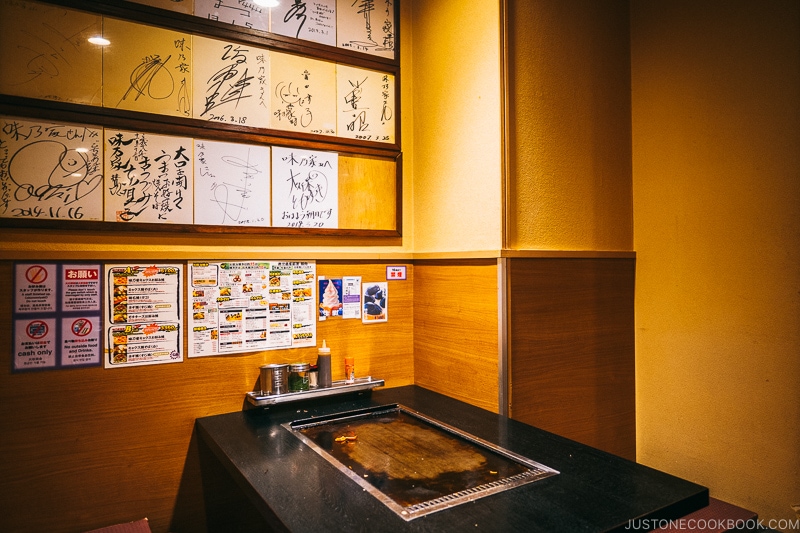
x,y
244,306
304,301
143,314
330,298
56,315
376,302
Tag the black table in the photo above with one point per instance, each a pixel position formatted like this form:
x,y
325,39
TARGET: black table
x,y
293,488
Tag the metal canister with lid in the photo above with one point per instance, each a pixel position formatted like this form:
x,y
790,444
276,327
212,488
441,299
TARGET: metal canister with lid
x,y
275,378
298,377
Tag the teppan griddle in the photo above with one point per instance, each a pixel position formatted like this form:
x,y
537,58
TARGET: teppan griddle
x,y
412,463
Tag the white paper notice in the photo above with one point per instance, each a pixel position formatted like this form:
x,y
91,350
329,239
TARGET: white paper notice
x,y
351,297
249,306
231,184
34,343
80,340
143,314
35,288
305,188
80,288
56,315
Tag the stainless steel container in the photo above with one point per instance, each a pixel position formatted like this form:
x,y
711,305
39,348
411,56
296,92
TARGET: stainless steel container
x,y
275,378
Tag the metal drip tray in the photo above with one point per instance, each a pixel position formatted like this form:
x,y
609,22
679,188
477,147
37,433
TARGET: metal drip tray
x,y
414,464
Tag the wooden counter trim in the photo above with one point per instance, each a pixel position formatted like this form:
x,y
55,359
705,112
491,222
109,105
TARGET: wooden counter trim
x,y
20,250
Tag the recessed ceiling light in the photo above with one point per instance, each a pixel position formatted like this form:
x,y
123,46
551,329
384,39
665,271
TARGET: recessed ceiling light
x,y
267,3
100,41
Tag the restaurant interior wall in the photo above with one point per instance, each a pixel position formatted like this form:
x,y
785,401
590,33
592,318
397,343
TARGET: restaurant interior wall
x,y
716,167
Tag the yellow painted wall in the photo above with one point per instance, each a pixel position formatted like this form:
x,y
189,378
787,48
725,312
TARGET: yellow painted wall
x,y
716,181
456,113
569,125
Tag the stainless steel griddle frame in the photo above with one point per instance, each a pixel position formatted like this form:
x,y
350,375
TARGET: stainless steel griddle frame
x,y
538,471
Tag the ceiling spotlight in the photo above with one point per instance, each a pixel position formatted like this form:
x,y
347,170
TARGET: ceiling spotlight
x,y
100,41
267,3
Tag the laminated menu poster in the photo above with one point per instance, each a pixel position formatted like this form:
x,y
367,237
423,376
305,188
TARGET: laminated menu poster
x,y
57,315
143,314
339,297
247,306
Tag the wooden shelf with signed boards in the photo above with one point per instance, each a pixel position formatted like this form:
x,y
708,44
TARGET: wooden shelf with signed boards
x,y
196,121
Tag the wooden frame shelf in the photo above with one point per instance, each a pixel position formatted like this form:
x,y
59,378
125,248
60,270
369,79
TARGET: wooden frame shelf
x,y
60,111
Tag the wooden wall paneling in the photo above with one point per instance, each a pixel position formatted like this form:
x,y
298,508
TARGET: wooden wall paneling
x,y
372,165
455,330
383,350
83,448
367,189
572,349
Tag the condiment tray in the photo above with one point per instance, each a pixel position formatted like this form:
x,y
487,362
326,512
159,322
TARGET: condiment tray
x,y
259,399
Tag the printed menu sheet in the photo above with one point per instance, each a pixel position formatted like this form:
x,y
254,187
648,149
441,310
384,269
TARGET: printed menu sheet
x,y
143,314
249,306
57,315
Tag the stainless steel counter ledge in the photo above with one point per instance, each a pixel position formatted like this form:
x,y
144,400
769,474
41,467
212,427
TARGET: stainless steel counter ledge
x,y
294,489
